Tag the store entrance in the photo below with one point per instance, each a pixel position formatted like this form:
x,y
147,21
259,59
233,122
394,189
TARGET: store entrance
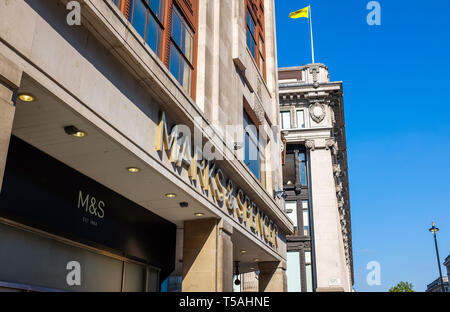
x,y
34,261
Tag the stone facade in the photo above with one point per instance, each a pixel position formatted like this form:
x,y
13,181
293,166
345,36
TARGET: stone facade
x,y
103,77
447,265
436,285
313,119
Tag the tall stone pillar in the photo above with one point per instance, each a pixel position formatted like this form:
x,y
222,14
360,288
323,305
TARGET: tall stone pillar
x,y
272,277
10,77
207,256
331,270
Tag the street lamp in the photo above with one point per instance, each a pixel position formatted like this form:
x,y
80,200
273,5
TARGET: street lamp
x,y
434,230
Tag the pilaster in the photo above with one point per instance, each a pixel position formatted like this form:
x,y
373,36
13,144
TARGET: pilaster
x,y
331,271
207,256
10,77
272,277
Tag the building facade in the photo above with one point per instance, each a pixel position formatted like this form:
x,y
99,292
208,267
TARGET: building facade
x,y
116,171
315,179
447,265
436,285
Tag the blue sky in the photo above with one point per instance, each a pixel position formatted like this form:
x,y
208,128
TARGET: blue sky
x,y
397,104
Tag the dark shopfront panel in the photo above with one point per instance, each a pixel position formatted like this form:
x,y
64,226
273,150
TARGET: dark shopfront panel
x,y
126,245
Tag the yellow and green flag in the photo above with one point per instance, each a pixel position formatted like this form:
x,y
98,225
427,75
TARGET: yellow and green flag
x,y
300,13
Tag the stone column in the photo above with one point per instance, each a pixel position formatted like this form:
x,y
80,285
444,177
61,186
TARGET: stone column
x,y
207,256
10,77
272,277
330,262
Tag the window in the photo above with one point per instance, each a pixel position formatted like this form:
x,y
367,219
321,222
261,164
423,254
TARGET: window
x,y
251,41
146,16
305,208
303,170
171,38
309,280
291,211
301,119
251,140
261,55
181,51
289,175
100,273
255,33
237,288
285,120
293,272
172,284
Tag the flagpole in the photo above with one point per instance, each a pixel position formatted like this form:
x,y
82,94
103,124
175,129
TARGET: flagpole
x,y
312,38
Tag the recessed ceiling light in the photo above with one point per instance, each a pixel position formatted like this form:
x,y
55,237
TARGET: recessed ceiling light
x,y
243,251
199,214
133,169
80,134
171,195
74,131
256,260
26,97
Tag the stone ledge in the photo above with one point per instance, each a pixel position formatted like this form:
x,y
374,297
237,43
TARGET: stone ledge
x,y
6,93
10,73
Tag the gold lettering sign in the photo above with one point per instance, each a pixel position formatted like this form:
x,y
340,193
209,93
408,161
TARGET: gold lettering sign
x,y
212,181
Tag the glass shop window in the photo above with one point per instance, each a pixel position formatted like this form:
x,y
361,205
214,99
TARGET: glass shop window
x,y
48,270
293,272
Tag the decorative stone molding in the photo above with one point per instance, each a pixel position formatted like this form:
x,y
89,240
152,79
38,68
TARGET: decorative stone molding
x,y
337,170
314,71
259,111
317,112
333,118
310,145
339,188
330,143
335,149
259,88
